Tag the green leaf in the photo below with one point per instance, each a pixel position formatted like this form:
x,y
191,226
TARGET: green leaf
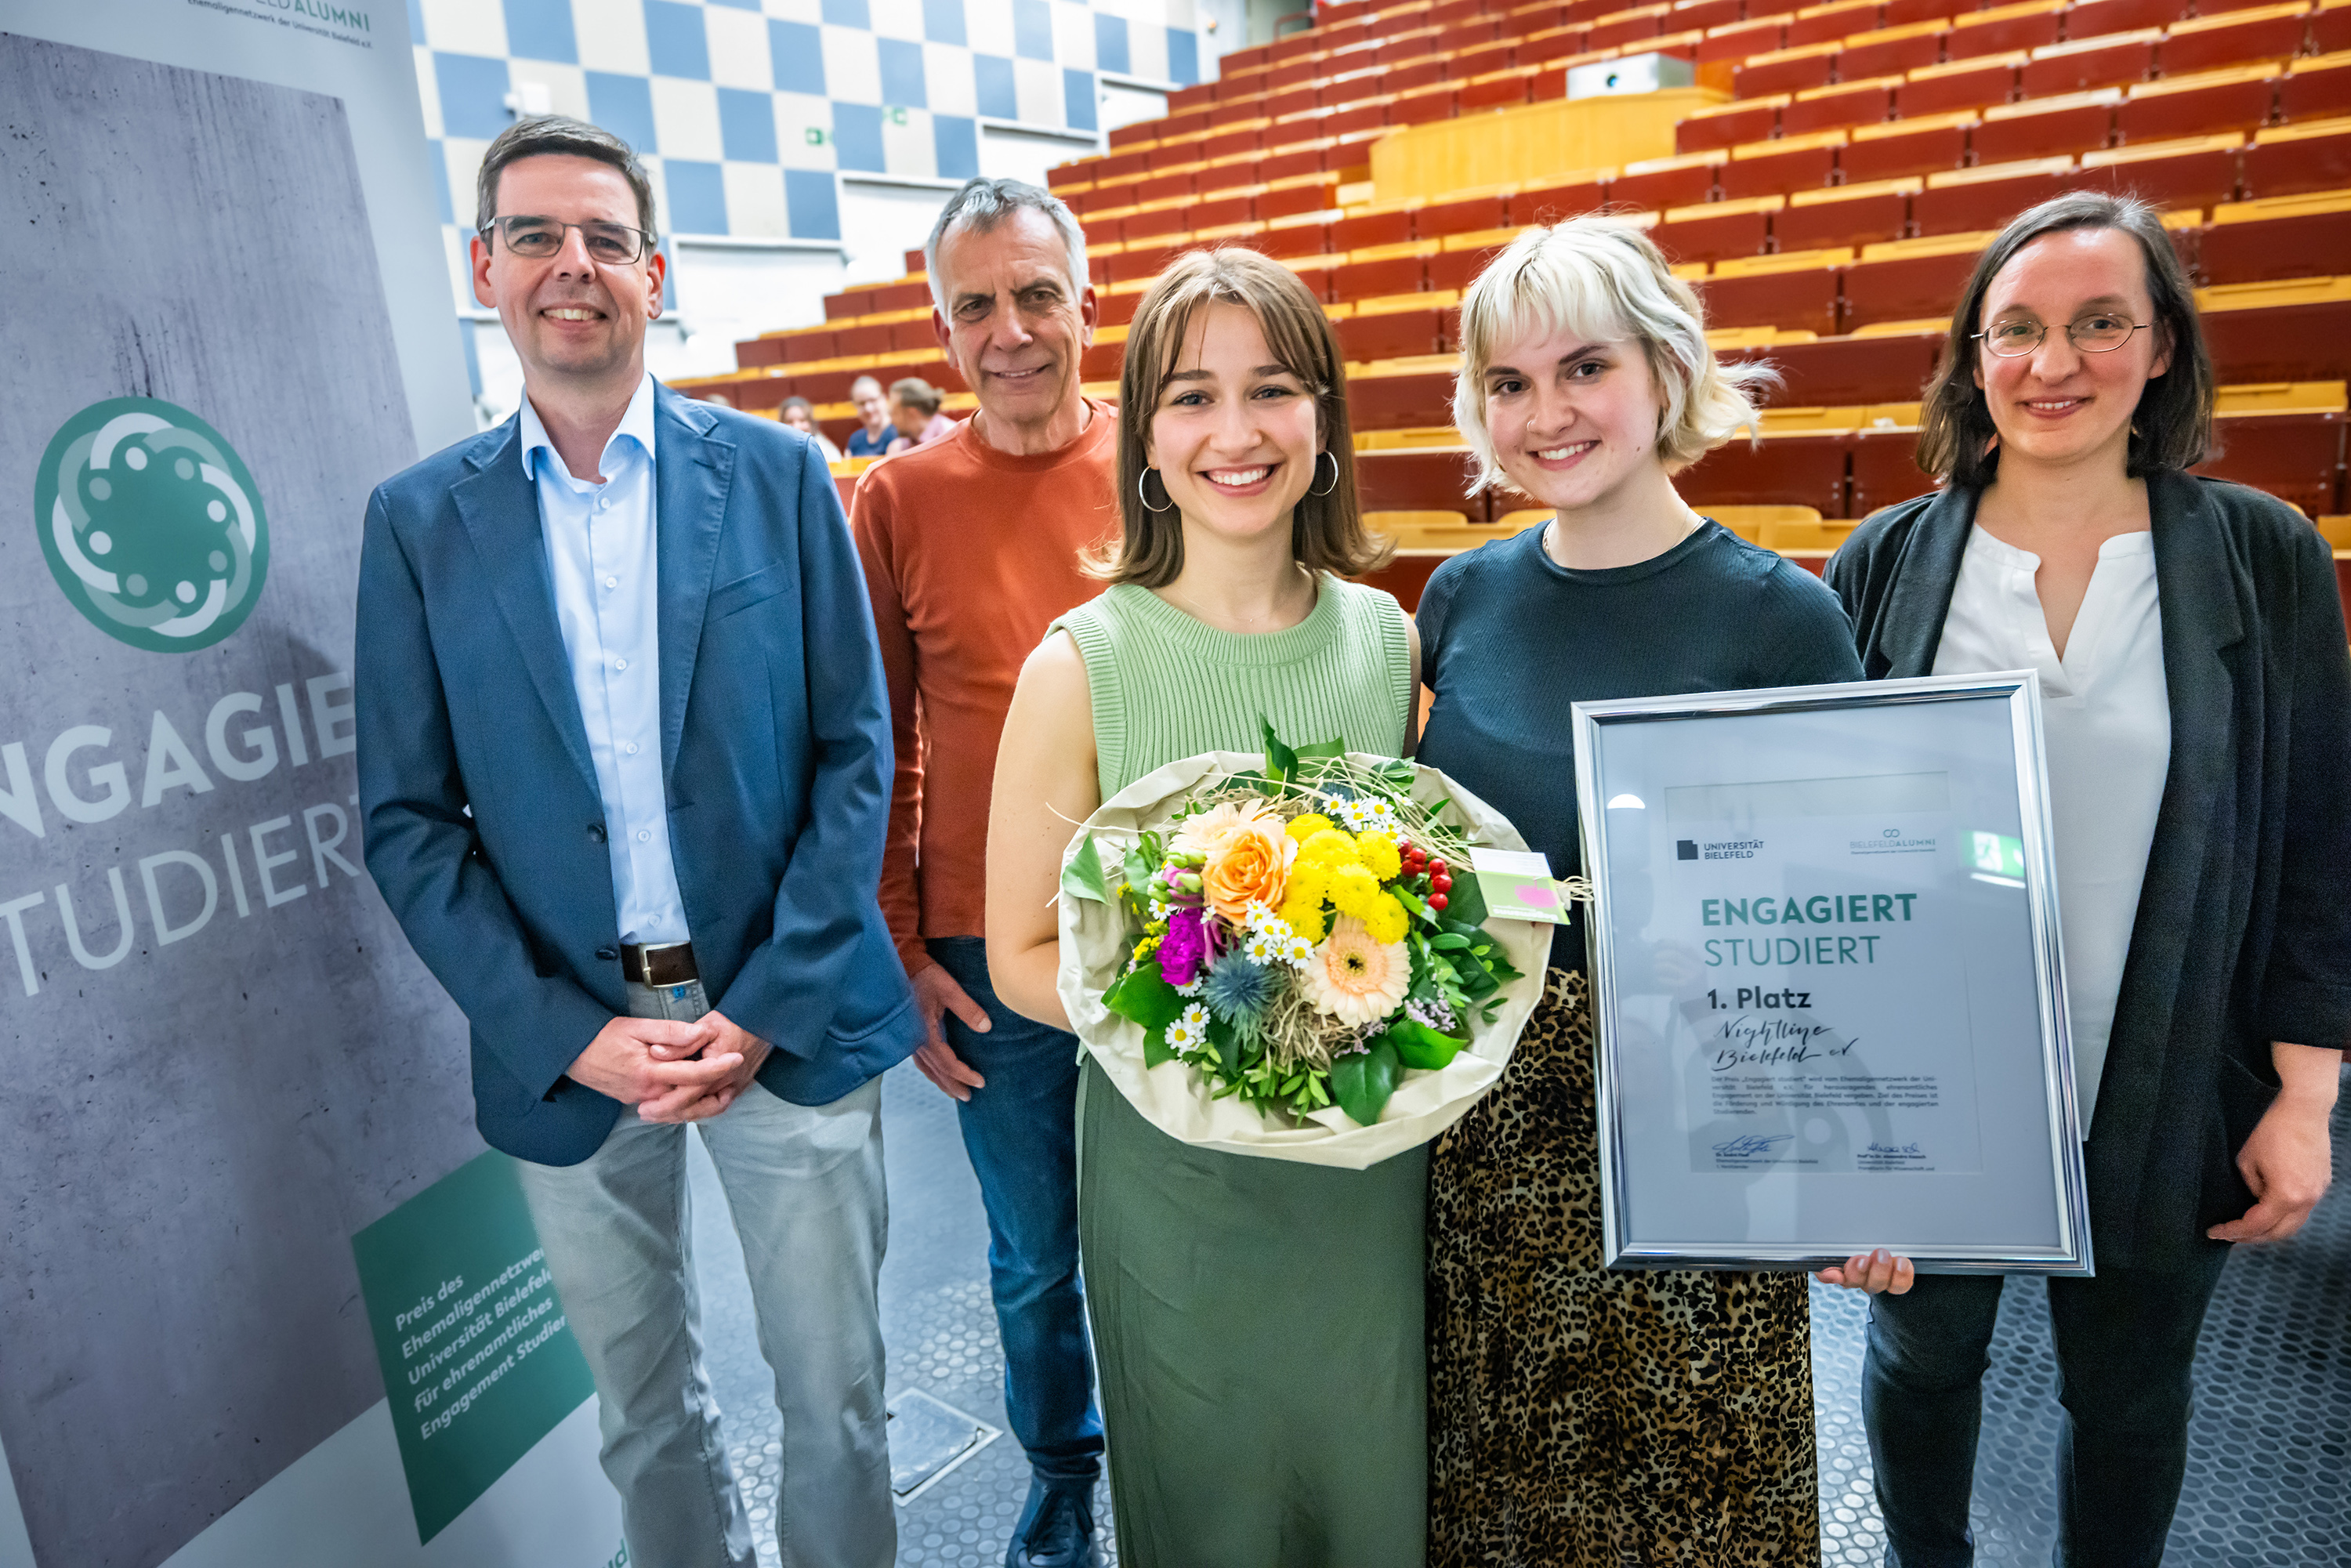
x,y
1082,877
1417,1045
1363,1081
1323,749
1413,906
1466,904
1281,762
1449,942
1145,997
1155,1049
1138,872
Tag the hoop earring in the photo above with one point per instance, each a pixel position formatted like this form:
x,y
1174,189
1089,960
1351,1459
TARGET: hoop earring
x,y
1318,473
1143,492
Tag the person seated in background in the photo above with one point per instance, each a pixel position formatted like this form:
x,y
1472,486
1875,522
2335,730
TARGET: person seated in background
x,y
800,414
915,412
873,435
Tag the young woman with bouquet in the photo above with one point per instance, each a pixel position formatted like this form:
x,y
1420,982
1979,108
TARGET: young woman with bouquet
x,y
1577,1416
1258,1322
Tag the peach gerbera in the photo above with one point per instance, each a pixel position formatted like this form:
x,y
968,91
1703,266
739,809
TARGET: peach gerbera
x,y
1355,978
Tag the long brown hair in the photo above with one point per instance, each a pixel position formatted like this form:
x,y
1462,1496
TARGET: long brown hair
x,y
1326,532
2172,426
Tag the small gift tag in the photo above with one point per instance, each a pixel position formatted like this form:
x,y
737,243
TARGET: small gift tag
x,y
1517,885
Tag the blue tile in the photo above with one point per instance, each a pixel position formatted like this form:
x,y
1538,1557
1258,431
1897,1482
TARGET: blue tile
x,y
473,95
737,4
797,51
902,74
1110,42
441,181
541,30
1078,92
847,13
675,40
669,274
416,22
942,22
1182,56
747,125
812,204
857,138
992,81
1032,29
623,106
697,197
957,140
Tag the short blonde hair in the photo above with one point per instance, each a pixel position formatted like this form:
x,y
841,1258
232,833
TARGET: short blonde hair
x,y
1602,281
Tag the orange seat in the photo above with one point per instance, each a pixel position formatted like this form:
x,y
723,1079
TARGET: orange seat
x,y
1726,125
2038,128
2196,105
1894,49
1794,293
1962,84
1737,41
1713,230
1381,275
1552,202
1845,215
2207,43
1906,147
1627,27
1905,13
1702,13
2004,28
1391,334
1886,469
1362,230
2296,457
1457,270
1986,196
2289,159
1785,70
2330,27
2317,89
2196,172
1913,280
1807,470
2294,341
1836,371
2097,19
1401,401
2086,63
1500,91
1847,104
1658,183
1464,216
1776,168
1828,23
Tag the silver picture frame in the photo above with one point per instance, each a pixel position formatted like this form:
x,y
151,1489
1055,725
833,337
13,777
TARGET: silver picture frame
x,y
1828,1107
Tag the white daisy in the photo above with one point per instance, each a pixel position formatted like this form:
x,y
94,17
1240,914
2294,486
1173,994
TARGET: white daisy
x,y
1365,814
1190,1031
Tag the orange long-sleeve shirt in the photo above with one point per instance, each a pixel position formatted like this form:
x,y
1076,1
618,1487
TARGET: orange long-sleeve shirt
x,y
969,553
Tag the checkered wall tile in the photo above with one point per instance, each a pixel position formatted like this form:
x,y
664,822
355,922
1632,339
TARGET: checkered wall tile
x,y
745,109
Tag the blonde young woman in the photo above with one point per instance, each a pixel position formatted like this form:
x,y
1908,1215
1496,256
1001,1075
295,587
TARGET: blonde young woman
x,y
1258,1322
1576,1415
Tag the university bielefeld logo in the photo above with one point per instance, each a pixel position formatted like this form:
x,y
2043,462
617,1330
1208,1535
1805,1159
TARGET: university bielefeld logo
x,y
152,525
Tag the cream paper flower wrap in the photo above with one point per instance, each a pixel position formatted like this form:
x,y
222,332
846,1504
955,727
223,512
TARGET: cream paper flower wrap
x,y
1175,1098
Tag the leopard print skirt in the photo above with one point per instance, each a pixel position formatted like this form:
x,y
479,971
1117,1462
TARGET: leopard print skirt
x,y
1581,1417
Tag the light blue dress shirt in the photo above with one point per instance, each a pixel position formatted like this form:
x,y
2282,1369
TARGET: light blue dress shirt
x,y
600,548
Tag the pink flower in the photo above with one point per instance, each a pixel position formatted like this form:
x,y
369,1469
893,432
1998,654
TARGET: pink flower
x,y
1184,949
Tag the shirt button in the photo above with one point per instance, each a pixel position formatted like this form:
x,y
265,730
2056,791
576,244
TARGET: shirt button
x,y
612,582
643,836
620,664
603,503
631,749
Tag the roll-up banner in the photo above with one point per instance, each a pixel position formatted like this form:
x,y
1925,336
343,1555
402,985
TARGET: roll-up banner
x,y
268,1299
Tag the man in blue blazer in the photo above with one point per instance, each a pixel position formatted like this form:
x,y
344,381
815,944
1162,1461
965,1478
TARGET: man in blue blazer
x,y
625,763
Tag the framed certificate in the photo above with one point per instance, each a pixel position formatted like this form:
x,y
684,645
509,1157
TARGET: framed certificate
x,y
1828,996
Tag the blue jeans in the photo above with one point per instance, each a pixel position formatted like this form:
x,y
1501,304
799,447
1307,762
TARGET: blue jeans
x,y
804,1184
2126,1345
1021,1133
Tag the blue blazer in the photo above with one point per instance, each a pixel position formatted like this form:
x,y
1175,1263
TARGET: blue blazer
x,y
485,826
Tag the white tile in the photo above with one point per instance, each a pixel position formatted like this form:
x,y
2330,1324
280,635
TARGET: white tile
x,y
685,119
567,86
947,72
1073,35
1184,17
612,36
464,26
428,86
852,66
809,11
1037,88
1146,51
896,19
738,49
755,201
987,26
912,149
462,158
658,177
797,114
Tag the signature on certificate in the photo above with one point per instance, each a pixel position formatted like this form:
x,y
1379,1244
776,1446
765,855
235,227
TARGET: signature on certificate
x,y
1751,1146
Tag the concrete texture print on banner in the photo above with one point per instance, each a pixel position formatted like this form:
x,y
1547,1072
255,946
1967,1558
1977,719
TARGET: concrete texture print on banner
x,y
224,1064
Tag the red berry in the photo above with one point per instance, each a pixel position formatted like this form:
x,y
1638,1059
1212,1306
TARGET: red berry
x,y
1442,883
1436,900
1436,868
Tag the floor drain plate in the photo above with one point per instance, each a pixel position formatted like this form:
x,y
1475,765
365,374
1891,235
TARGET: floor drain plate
x,y
929,1437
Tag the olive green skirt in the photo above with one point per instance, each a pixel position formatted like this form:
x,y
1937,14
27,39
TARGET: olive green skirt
x,y
1258,1326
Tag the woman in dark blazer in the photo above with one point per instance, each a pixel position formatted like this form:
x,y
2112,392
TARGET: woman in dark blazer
x,y
2197,701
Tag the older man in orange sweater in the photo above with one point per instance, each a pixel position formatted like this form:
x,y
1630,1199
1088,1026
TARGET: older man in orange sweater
x,y
972,544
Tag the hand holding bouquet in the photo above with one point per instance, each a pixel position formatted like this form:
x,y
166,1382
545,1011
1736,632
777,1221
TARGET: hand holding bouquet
x,y
1299,938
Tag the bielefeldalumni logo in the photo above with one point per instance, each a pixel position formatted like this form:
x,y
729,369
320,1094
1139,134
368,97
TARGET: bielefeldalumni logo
x,y
152,525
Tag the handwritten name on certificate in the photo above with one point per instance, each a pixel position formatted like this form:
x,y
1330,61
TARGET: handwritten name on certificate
x,y
1820,1016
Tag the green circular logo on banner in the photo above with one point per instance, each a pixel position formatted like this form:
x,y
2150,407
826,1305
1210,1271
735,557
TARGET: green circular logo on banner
x,y
152,525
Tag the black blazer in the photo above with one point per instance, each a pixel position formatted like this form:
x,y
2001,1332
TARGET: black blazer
x,y
2244,932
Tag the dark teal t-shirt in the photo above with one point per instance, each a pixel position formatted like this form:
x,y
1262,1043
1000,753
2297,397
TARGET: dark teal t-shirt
x,y
1510,640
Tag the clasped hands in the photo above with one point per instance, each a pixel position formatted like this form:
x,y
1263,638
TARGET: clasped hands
x,y
669,1070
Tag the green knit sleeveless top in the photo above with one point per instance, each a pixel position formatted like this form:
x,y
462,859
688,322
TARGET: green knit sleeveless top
x,y
1167,686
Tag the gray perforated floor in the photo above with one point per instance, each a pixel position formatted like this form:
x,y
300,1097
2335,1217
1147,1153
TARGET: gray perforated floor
x,y
2266,1478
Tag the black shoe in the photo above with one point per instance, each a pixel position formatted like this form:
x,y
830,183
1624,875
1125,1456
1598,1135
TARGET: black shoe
x,y
1056,1529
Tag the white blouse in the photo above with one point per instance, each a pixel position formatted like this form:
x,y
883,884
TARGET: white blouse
x,y
2106,722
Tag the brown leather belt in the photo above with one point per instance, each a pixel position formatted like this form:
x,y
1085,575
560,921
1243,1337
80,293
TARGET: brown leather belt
x,y
659,964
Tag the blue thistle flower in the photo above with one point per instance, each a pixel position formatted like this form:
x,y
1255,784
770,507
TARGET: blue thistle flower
x,y
1238,992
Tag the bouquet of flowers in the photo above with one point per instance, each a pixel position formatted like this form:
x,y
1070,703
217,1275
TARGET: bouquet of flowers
x,y
1289,954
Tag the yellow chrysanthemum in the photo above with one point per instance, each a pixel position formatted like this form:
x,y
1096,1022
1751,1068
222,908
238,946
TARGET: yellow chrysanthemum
x,y
1144,948
1306,826
1387,920
1306,918
1380,856
1332,846
1356,891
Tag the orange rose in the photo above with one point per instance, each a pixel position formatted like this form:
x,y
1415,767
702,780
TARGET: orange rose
x,y
1248,864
